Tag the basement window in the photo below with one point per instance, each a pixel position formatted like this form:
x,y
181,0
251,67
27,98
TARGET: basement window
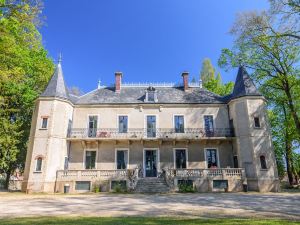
x,y
83,186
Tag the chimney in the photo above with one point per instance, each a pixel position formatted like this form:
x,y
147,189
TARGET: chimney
x,y
185,79
118,81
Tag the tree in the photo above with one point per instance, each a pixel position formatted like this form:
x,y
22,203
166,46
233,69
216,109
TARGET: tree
x,y
25,70
207,71
273,59
214,83
263,47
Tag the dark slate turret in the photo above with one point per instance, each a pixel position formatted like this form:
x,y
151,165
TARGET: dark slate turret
x,y
244,85
56,86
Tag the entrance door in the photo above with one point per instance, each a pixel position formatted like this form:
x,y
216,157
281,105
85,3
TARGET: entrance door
x,y
150,163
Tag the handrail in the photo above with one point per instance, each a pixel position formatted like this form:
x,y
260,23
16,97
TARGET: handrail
x,y
140,133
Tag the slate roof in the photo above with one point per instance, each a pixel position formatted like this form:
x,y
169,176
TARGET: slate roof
x,y
56,86
244,85
166,95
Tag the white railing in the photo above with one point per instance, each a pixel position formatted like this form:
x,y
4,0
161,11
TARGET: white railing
x,y
91,174
206,173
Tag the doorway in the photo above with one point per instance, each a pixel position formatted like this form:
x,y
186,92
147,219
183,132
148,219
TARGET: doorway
x,y
150,162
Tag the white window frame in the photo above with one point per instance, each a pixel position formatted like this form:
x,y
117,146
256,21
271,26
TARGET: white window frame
x,y
218,158
184,121
84,155
118,115
121,149
186,155
145,125
157,160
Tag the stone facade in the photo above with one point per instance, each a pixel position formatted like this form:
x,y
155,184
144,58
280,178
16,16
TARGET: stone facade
x,y
215,143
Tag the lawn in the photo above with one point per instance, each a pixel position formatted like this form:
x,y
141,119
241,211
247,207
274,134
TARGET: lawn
x,y
137,221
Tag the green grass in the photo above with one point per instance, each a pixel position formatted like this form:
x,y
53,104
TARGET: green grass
x,y
138,221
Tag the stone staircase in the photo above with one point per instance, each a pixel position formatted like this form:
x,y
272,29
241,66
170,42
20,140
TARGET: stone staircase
x,y
152,185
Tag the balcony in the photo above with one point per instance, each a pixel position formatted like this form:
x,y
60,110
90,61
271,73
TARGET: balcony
x,y
89,175
140,134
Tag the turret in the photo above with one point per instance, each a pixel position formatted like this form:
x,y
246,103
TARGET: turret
x,y
48,150
253,147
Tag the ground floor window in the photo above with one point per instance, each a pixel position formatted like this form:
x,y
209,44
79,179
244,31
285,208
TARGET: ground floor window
x,y
180,159
212,158
122,159
38,167
263,163
83,186
90,159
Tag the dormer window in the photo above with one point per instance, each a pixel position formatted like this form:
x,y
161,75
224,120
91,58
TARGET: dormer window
x,y
151,95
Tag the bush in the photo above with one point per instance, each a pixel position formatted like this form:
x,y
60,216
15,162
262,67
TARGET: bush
x,y
119,186
186,186
97,189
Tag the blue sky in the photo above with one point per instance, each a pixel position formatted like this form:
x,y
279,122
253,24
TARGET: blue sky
x,y
149,41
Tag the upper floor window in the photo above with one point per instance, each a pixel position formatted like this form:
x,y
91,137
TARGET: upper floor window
x,y
92,129
90,159
180,159
209,125
123,124
151,126
151,95
179,124
122,159
212,158
263,163
256,122
44,122
38,166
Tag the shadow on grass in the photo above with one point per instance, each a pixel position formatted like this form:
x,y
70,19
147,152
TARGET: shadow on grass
x,y
137,221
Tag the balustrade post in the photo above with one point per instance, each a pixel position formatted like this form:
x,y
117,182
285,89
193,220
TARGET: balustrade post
x,y
224,173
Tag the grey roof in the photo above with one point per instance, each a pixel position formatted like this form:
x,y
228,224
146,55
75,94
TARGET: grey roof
x,y
244,85
56,86
167,95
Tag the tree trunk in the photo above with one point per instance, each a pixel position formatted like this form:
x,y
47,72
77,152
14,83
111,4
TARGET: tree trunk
x,y
288,149
292,109
6,185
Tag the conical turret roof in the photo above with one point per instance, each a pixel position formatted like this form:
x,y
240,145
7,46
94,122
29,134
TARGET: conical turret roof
x,y
56,86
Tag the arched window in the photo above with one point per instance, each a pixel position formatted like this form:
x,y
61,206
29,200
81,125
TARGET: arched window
x,y
38,166
263,163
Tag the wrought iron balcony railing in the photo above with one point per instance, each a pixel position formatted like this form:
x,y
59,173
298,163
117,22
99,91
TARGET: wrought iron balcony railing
x,y
162,133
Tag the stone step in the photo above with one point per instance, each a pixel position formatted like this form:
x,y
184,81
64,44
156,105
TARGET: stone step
x,y
152,185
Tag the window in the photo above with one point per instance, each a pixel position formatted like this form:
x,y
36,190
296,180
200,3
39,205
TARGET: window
x,y
211,158
122,159
90,159
180,159
38,167
151,126
235,162
151,95
82,185
256,122
209,125
179,124
263,163
66,164
92,129
44,122
220,184
123,124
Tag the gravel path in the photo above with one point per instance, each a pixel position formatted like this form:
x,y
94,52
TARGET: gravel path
x,y
276,205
